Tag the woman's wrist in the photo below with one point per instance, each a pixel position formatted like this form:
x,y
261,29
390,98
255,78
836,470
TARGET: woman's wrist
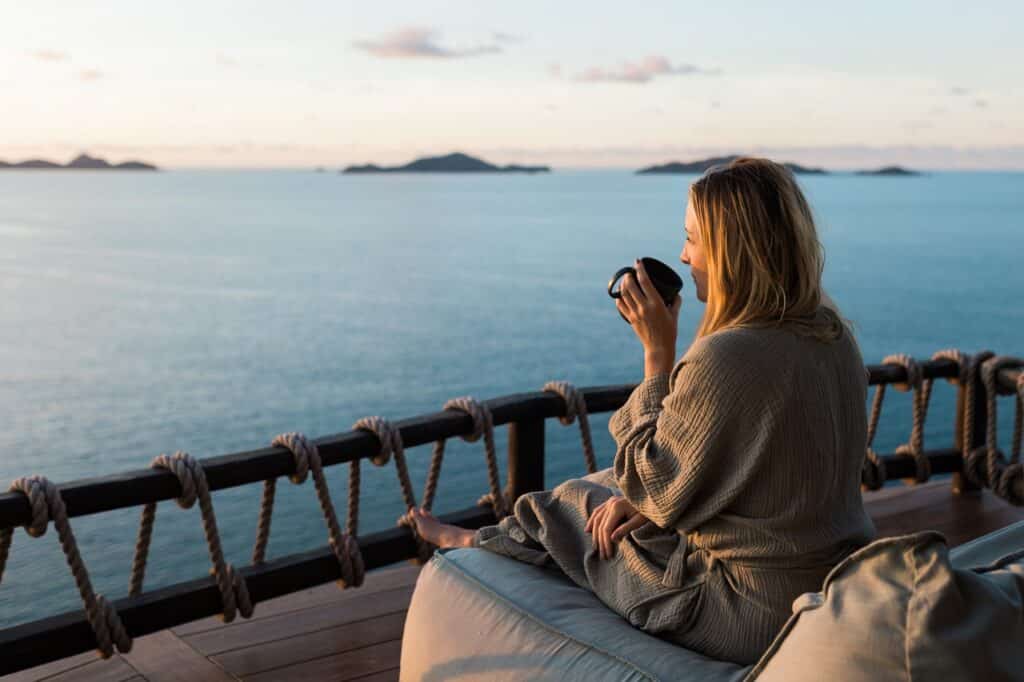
x,y
658,362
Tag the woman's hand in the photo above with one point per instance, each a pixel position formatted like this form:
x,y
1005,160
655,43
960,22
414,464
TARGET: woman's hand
x,y
611,521
655,324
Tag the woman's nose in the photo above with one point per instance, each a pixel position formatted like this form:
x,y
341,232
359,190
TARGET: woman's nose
x,y
683,258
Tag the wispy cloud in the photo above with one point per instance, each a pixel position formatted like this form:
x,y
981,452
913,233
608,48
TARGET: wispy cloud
x,y
500,37
915,125
90,74
418,42
642,72
224,60
49,55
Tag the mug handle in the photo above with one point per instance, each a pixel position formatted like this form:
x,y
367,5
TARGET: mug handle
x,y
615,278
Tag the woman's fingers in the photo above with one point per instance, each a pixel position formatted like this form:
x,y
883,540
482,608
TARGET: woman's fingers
x,y
628,527
646,285
595,523
600,519
593,514
605,534
624,310
611,520
631,292
594,526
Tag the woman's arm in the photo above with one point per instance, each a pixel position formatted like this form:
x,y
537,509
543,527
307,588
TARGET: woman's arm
x,y
686,457
644,399
656,325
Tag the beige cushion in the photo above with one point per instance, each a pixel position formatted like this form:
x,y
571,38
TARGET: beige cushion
x,y
898,610
480,616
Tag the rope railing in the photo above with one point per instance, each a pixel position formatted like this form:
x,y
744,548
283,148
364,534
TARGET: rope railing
x,y
45,500
188,480
983,464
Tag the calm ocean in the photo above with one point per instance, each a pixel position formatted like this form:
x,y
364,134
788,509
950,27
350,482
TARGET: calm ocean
x,y
208,311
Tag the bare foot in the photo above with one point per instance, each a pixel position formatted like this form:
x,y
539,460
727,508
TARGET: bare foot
x,y
441,534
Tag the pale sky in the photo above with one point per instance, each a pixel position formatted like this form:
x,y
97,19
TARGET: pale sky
x,y
569,84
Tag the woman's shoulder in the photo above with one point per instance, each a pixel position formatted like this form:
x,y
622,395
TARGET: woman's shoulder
x,y
761,339
734,343
727,357
772,354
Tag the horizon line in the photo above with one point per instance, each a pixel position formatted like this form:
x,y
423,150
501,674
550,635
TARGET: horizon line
x,y
337,169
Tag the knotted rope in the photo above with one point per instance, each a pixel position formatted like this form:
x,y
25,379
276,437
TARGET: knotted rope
x,y
46,503
344,546
922,392
483,425
873,473
971,461
233,591
391,444
985,465
575,407
1018,420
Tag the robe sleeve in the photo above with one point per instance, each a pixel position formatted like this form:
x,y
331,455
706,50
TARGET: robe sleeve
x,y
685,456
644,399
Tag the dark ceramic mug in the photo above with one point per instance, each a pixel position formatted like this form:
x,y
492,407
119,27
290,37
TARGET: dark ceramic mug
x,y
664,278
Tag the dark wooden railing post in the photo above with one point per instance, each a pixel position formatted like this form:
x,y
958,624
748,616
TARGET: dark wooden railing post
x,y
961,483
525,457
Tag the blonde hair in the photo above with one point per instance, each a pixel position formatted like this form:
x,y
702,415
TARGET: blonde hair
x,y
764,260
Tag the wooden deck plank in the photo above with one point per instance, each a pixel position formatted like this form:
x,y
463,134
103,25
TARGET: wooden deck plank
x,y
51,669
383,676
291,625
347,666
164,657
896,499
294,650
113,669
933,506
375,581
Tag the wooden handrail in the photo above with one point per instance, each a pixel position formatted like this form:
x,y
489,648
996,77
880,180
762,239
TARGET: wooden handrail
x,y
142,486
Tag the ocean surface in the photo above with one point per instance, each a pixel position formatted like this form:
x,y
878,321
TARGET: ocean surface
x,y
206,311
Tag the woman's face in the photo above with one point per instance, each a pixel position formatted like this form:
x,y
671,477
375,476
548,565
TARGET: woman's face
x,y
693,254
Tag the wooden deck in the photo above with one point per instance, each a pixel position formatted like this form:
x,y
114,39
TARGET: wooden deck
x,y
326,633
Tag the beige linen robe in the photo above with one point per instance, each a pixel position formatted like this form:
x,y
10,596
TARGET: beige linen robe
x,y
746,458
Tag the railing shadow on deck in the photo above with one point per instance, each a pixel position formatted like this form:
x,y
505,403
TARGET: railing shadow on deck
x,y
30,644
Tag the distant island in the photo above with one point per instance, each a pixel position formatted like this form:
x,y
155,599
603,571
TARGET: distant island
x,y
704,164
452,163
889,170
80,162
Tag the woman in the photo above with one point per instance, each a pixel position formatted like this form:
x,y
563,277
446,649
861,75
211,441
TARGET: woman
x,y
736,480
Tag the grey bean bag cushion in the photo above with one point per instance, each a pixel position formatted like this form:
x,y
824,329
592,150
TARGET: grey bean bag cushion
x,y
898,609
